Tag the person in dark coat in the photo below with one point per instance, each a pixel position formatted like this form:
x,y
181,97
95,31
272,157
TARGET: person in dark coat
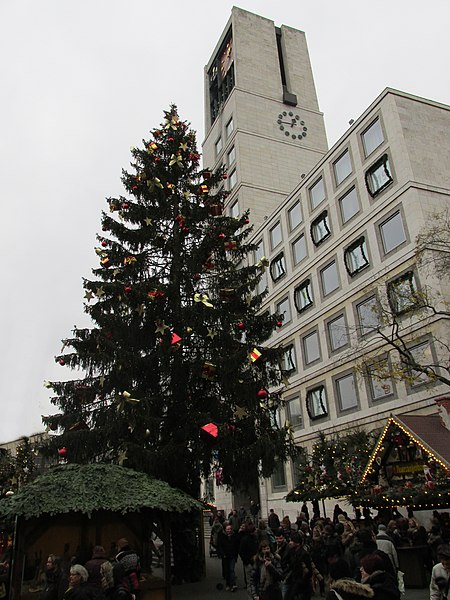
x,y
384,584
248,548
79,588
297,570
131,565
273,520
342,585
266,575
228,549
112,586
52,578
93,568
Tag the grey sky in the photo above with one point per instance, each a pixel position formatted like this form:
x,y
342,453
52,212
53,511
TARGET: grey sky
x,y
82,81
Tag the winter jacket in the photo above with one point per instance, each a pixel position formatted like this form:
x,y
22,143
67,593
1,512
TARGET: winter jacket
x,y
264,581
384,586
228,545
248,547
349,589
385,544
439,584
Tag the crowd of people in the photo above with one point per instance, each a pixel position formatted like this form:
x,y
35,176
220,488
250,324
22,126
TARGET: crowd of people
x,y
337,558
100,578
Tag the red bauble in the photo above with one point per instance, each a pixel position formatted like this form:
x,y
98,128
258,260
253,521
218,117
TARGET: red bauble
x,y
221,236
247,221
263,393
240,325
125,204
408,484
225,176
170,139
279,323
104,244
62,452
127,289
62,362
185,229
134,187
157,159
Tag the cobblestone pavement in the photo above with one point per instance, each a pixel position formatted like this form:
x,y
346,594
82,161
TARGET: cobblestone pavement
x,y
207,588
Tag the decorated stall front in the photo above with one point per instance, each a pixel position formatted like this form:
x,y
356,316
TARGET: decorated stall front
x,y
72,508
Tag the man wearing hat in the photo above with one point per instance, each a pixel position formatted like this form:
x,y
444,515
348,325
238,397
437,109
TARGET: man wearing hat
x,y
440,575
386,544
297,570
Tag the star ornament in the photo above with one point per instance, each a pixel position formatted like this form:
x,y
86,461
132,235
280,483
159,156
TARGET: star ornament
x,y
88,295
148,221
160,327
100,292
211,333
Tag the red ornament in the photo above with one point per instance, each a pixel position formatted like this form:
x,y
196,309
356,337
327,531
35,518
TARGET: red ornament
x,y
185,229
209,433
125,204
62,452
247,221
196,277
408,484
221,236
430,485
157,159
127,289
263,393
279,323
170,139
194,156
104,244
134,187
157,133
241,325
225,176
62,362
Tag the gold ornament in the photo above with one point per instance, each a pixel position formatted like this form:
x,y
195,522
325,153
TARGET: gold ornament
x,y
88,295
160,327
203,298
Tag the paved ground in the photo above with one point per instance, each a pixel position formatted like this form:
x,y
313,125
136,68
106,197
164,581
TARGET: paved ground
x,y
207,588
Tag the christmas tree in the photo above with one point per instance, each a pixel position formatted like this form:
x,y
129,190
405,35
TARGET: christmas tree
x,y
176,377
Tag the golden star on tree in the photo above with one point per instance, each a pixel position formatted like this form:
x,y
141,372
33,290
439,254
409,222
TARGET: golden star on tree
x,y
240,412
140,309
160,326
148,221
211,333
88,295
102,380
99,292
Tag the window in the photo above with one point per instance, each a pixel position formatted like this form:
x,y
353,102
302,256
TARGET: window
x,y
316,402
229,128
337,333
295,216
423,357
259,254
378,177
330,278
372,137
342,167
317,193
283,309
299,249
368,315
234,210
218,146
402,293
231,156
349,205
232,179
355,257
380,386
392,232
303,296
320,229
288,363
275,236
278,267
294,410
346,392
311,347
279,476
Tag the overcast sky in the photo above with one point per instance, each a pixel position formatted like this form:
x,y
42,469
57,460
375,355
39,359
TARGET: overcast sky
x,y
83,80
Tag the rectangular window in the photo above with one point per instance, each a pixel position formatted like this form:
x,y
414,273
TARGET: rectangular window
x,y
392,232
231,156
288,362
342,167
346,392
259,254
299,249
234,210
311,347
303,295
402,293
229,128
278,267
423,357
316,402
380,386
283,309
349,205
295,216
337,333
232,179
320,229
218,146
372,137
317,193
378,177
295,413
279,476
330,278
368,315
275,236
355,257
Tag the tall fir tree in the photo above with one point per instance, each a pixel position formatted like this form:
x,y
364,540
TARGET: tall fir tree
x,y
179,338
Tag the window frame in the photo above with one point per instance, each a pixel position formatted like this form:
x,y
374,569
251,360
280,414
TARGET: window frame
x,y
278,311
328,324
293,226
279,464
231,150
309,334
370,379
228,131
358,243
379,163
386,219
322,281
232,180
359,322
279,229
323,392
297,239
322,217
411,277
232,211
342,197
288,356
289,403
363,133
337,180
278,261
218,146
305,284
312,203
338,392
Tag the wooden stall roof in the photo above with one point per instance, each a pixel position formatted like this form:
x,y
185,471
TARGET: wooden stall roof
x,y
87,488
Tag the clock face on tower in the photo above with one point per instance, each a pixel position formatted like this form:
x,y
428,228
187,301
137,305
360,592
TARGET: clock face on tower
x,y
291,125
